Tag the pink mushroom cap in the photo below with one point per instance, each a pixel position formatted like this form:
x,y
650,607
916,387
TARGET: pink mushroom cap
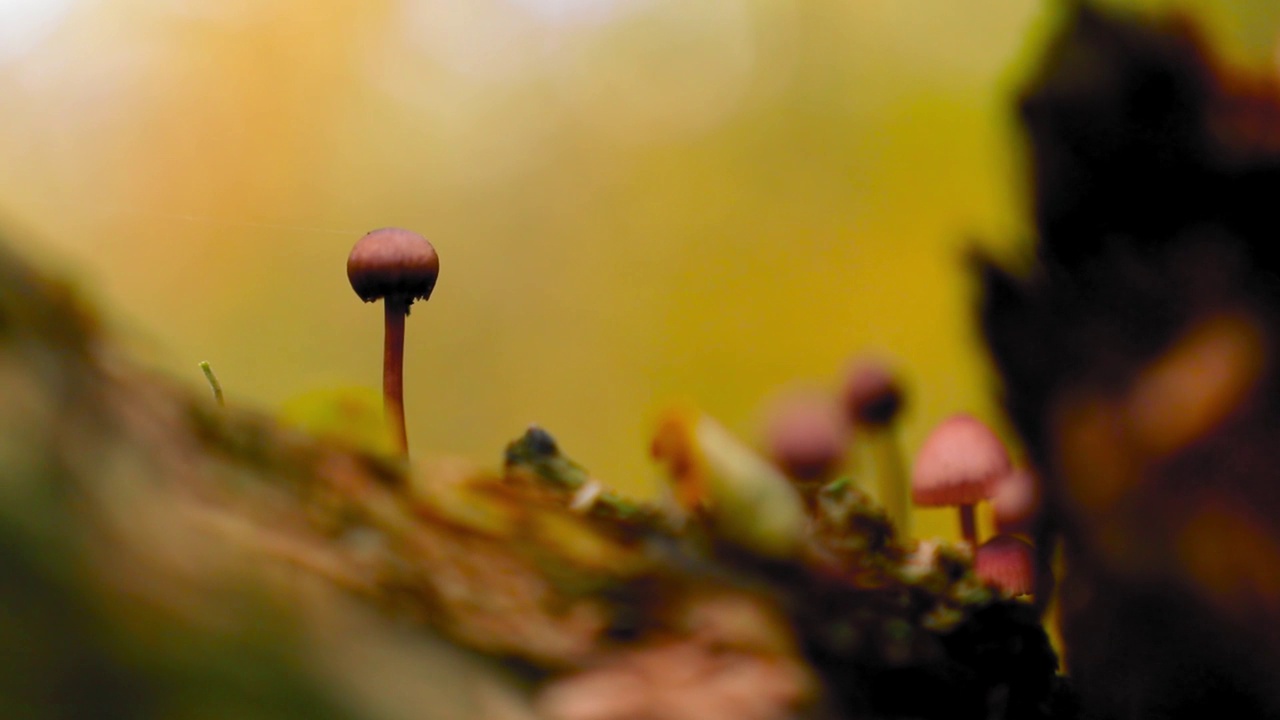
x,y
1006,562
958,464
806,435
1015,500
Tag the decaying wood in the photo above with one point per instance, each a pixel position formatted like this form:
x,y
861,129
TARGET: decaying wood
x,y
1137,350
166,556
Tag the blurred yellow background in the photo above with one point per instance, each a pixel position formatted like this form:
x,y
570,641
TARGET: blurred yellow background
x,y
634,201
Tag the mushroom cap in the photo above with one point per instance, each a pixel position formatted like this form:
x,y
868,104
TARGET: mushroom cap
x,y
872,394
393,262
1006,562
805,434
958,463
1015,500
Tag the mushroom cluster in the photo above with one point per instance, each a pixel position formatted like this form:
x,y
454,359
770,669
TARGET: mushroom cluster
x,y
813,436
962,463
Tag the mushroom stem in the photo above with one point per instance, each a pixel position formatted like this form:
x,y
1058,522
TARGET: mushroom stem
x,y
894,487
969,525
393,370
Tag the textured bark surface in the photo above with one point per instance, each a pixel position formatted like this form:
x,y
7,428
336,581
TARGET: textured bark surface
x,y
1138,355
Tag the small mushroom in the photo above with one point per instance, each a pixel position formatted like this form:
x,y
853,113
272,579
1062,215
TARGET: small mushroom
x,y
805,435
872,395
1015,500
398,267
1006,562
956,467
873,399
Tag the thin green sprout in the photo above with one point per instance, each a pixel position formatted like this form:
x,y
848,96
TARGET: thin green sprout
x,y
214,385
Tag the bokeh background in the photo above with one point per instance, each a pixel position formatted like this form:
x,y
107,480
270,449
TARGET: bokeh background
x,y
634,201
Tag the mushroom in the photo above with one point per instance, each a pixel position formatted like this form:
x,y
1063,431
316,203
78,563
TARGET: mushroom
x,y
956,467
1015,500
873,400
872,395
398,267
805,435
1006,562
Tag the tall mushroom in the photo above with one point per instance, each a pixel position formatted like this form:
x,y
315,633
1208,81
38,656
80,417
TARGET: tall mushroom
x,y
956,467
398,267
873,399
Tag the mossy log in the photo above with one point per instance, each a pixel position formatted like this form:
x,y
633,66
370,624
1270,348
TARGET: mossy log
x,y
163,556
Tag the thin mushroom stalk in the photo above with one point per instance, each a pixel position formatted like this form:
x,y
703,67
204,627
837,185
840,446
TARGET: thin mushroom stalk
x,y
969,524
895,488
398,267
393,371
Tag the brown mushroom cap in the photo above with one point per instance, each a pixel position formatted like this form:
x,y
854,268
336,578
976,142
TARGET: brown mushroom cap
x,y
392,262
872,394
958,463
